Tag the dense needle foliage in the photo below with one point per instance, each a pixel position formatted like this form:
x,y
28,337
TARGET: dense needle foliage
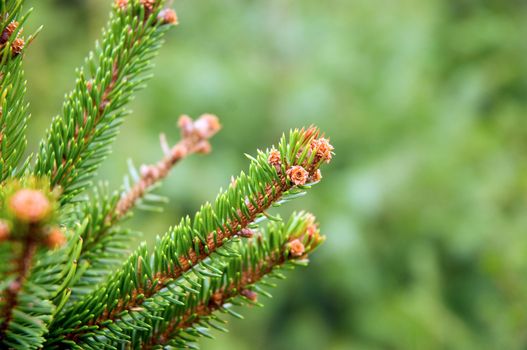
x,y
69,279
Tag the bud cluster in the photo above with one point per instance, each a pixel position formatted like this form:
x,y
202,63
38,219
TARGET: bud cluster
x,y
319,149
18,44
28,213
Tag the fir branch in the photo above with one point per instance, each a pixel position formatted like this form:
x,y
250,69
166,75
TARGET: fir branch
x,y
179,311
39,275
191,242
104,242
80,138
236,281
13,108
194,139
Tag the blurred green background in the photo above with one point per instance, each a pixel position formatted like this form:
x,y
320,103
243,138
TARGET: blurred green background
x,y
424,204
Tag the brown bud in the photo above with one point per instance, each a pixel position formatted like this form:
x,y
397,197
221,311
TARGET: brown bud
x,y
246,233
207,125
168,16
249,294
296,248
297,175
17,47
216,299
186,125
274,158
8,31
4,231
121,4
317,176
311,230
30,205
148,4
55,238
323,149
311,132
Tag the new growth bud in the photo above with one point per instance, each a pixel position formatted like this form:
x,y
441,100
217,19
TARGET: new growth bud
x,y
323,149
8,31
17,47
121,4
55,238
29,205
168,16
296,248
249,294
297,175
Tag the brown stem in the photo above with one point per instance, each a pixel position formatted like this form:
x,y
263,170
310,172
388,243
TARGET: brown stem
x,y
195,137
218,298
10,294
214,241
199,251
98,117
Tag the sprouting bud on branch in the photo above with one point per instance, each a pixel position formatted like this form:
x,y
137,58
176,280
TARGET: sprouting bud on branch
x,y
121,4
168,16
296,248
8,31
195,137
29,205
55,238
83,295
298,175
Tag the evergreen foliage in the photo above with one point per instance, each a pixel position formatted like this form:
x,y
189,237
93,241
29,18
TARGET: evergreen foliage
x,y
64,283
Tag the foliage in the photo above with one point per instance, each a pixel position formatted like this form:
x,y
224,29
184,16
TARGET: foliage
x,y
65,284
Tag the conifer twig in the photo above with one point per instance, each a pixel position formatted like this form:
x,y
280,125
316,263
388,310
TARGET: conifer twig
x,y
79,138
194,139
279,172
214,241
263,254
219,298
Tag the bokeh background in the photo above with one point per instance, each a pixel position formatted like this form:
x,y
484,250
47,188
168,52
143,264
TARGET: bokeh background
x,y
424,204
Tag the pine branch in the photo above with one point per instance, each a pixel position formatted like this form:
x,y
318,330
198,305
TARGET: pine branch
x,y
62,298
80,138
13,108
272,176
39,276
194,139
186,308
281,244
105,244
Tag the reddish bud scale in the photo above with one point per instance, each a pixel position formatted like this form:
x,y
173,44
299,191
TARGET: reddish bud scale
x,y
297,174
323,149
249,294
148,4
17,47
121,4
296,248
8,31
168,16
55,238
